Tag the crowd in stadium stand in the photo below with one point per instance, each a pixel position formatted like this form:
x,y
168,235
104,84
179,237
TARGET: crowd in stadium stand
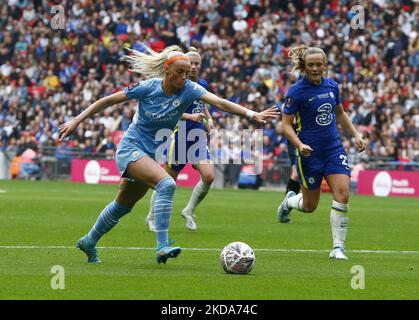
x,y
49,75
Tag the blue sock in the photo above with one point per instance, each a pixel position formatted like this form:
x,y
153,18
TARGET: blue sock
x,y
108,218
163,209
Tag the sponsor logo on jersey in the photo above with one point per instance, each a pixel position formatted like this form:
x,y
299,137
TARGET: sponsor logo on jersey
x,y
157,117
199,107
197,110
325,116
150,114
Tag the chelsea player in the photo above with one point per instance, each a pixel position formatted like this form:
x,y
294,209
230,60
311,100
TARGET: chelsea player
x,y
197,119
314,102
162,99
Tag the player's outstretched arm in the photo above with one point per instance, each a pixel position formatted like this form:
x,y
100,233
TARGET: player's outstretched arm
x,y
343,119
67,128
231,107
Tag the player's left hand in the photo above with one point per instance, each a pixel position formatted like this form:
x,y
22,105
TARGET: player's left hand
x,y
265,115
360,143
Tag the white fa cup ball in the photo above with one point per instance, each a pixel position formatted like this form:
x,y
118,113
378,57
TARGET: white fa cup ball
x,y
237,257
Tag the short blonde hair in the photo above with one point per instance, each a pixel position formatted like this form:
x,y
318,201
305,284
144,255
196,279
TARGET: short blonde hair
x,y
298,55
192,51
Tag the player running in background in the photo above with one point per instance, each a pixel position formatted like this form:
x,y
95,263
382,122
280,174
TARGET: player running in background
x,y
293,184
195,116
162,99
315,103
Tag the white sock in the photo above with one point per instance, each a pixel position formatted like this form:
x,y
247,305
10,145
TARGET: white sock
x,y
198,194
339,223
151,211
296,202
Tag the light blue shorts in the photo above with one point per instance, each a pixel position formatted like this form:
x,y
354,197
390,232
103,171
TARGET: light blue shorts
x,y
128,151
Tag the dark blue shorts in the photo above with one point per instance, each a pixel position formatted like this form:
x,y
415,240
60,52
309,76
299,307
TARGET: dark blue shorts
x,y
312,169
182,151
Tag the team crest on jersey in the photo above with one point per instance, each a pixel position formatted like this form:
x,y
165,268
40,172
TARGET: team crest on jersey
x,y
311,180
133,85
135,154
176,102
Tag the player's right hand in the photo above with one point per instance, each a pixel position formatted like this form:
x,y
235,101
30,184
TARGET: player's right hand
x,y
66,129
265,115
197,117
361,143
305,150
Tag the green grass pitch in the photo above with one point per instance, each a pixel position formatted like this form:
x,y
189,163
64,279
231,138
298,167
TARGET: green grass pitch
x,y
40,223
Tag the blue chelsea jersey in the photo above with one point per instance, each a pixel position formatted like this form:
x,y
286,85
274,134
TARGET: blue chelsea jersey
x,y
197,106
156,110
314,107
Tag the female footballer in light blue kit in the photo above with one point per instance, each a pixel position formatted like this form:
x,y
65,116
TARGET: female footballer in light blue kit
x,y
192,122
162,99
315,103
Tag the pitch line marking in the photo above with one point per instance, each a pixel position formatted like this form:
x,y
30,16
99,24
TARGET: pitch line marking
x,y
217,249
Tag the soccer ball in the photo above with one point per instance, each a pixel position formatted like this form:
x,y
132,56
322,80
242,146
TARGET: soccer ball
x,y
237,257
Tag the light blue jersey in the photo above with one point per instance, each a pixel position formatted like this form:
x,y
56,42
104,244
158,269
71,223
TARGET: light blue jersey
x,y
156,110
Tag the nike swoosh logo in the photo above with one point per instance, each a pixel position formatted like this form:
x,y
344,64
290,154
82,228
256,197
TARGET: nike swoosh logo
x,y
311,99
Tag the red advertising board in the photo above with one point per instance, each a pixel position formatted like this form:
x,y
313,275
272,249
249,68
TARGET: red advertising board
x,y
389,183
106,171
94,171
188,177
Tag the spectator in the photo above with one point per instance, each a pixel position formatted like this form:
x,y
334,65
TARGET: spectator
x,y
268,149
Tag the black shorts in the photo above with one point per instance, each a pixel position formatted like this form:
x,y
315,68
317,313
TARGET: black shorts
x,y
291,152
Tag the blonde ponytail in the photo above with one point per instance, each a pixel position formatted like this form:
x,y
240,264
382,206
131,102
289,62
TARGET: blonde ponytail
x,y
298,55
150,65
